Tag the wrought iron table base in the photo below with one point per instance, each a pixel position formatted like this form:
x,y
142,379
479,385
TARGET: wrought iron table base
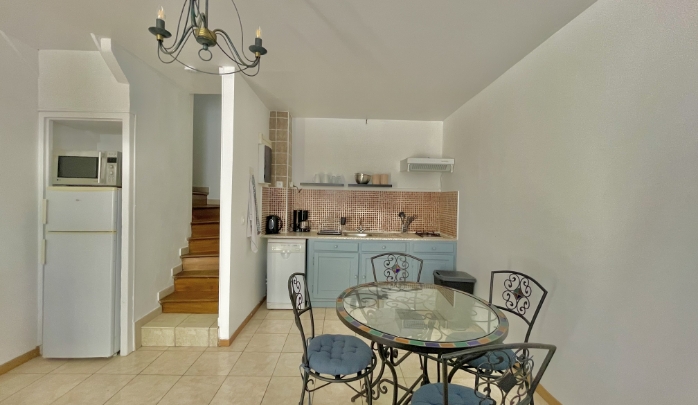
x,y
388,357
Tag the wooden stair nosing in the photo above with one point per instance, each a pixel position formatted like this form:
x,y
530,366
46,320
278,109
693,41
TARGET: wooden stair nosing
x,y
197,274
202,254
206,207
195,238
190,296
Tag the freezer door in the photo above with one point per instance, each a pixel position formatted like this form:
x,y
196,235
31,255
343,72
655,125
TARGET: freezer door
x,y
79,295
82,209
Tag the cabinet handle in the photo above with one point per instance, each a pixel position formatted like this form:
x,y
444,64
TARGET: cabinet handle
x,y
433,248
336,246
383,247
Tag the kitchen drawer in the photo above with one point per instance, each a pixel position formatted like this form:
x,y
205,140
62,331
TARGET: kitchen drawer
x,y
329,246
434,247
382,247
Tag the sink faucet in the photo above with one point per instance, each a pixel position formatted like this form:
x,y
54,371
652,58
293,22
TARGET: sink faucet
x,y
360,228
406,221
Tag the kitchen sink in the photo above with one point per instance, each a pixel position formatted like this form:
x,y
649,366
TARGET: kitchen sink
x,y
357,234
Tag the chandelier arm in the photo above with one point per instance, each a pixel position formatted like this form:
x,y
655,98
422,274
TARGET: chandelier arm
x,y
255,73
233,49
205,72
175,54
242,32
241,66
178,46
179,23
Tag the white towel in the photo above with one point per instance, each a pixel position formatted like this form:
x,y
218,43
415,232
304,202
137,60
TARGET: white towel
x,y
253,227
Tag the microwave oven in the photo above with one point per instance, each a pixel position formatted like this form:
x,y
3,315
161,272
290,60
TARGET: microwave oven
x,y
86,168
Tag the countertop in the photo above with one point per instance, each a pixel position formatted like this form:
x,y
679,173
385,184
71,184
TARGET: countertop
x,y
374,236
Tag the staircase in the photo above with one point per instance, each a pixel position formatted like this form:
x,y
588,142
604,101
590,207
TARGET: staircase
x,y
196,286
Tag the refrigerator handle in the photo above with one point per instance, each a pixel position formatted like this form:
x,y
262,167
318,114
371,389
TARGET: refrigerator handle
x,y
42,252
44,211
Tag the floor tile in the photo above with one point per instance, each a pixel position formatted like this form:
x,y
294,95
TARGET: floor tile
x,y
153,348
387,398
318,313
11,383
255,364
158,336
288,365
275,326
172,363
250,328
38,365
266,343
242,391
167,320
134,363
283,391
144,390
187,348
214,363
307,327
336,394
293,344
410,367
82,366
95,390
282,314
193,390
237,345
335,328
45,390
259,316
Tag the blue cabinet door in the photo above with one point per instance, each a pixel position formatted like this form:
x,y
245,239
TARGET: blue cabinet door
x,y
366,274
334,272
436,262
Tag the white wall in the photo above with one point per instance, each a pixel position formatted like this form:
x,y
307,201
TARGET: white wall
x,y
18,198
79,81
207,143
578,167
163,177
242,272
348,146
70,138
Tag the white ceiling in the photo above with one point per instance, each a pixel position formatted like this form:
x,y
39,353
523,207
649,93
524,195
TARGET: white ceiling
x,y
389,59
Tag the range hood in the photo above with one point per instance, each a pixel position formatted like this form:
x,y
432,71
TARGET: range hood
x,y
427,165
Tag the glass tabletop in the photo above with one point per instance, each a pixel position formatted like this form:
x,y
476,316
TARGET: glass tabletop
x,y
415,315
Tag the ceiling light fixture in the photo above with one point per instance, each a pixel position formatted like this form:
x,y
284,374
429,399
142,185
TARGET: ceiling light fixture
x,y
195,21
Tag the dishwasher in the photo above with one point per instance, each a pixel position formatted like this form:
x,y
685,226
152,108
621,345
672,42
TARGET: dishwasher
x,y
284,257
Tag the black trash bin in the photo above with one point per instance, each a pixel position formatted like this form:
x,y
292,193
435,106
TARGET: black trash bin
x,y
458,280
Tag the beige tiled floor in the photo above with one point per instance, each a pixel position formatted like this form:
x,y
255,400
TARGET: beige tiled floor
x,y
181,330
260,367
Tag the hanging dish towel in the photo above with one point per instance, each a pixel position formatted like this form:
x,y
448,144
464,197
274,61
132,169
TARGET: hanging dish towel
x,y
253,227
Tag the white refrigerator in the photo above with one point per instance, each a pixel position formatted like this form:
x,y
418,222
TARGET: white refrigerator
x,y
81,297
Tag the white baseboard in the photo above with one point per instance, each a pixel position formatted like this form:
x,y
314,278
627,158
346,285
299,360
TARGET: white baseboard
x,y
176,269
147,318
165,292
183,251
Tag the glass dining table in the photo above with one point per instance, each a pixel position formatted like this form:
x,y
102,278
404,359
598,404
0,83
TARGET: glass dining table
x,y
419,318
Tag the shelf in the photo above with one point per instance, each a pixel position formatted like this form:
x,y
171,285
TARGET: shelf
x,y
321,185
371,185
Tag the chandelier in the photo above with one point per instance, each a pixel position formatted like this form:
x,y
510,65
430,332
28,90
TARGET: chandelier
x,y
193,22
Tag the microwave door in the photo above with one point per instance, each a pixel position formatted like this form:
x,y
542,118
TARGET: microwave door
x,y
79,169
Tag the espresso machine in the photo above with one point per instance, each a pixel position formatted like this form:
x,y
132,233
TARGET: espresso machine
x,y
300,221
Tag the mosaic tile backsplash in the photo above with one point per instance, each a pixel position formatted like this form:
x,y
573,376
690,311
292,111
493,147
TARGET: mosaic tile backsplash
x,y
374,210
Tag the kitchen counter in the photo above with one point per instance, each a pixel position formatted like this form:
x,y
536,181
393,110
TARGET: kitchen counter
x,y
374,236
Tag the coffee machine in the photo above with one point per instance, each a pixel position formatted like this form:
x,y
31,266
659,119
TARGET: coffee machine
x,y
300,221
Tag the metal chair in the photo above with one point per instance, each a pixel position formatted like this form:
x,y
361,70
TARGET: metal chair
x,y
396,266
328,358
512,385
516,298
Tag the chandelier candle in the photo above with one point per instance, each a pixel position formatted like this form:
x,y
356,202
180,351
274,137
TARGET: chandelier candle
x,y
193,21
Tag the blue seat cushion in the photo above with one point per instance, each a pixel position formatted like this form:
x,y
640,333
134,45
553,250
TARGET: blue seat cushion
x,y
433,394
499,360
338,354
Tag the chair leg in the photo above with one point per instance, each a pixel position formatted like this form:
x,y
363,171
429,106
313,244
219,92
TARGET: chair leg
x,y
305,387
369,393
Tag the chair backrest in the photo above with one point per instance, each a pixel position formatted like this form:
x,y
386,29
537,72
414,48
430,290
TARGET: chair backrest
x,y
394,266
518,294
514,384
300,301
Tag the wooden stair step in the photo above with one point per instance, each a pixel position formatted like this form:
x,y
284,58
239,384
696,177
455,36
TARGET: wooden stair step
x,y
203,280
200,261
193,302
205,213
204,244
205,228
